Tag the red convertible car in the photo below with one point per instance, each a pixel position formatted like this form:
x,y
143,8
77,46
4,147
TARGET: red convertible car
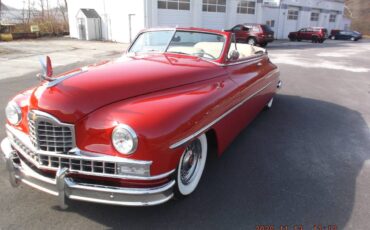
x,y
136,131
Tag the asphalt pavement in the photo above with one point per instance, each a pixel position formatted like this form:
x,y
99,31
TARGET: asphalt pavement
x,y
304,162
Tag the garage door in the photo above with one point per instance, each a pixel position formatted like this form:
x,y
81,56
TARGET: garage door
x,y
174,13
214,20
291,21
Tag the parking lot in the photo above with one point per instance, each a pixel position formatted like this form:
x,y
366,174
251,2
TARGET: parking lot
x,y
304,162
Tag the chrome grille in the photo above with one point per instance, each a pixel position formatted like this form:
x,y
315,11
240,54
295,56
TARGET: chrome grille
x,y
67,161
48,134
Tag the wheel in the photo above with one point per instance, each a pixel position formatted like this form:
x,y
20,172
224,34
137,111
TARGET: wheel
x,y
292,39
314,39
269,104
191,167
353,39
298,39
332,37
251,41
321,41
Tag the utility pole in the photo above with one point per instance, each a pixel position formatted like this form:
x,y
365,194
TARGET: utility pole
x,y
0,10
129,26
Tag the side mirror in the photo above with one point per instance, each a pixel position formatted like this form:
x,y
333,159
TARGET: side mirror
x,y
46,68
234,55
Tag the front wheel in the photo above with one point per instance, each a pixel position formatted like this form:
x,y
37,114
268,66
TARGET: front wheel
x,y
191,167
251,41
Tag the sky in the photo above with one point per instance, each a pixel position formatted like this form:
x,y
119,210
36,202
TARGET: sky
x,y
19,3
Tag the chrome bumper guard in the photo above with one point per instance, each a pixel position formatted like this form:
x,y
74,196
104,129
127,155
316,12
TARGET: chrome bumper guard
x,y
65,187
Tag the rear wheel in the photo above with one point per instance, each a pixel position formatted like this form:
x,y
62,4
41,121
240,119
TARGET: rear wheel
x,y
353,39
251,41
315,39
332,37
298,39
191,167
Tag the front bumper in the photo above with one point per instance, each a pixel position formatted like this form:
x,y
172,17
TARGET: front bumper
x,y
64,186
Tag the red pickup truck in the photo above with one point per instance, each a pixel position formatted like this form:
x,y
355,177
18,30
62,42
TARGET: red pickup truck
x,y
314,34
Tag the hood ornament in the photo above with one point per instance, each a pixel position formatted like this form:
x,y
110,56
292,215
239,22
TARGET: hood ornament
x,y
46,68
47,72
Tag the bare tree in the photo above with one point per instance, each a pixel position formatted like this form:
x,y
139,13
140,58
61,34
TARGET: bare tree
x,y
42,6
63,10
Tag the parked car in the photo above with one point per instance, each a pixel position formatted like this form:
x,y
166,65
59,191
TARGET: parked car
x,y
345,35
314,34
253,34
137,131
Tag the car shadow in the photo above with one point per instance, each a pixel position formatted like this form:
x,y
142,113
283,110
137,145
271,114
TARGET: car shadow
x,y
295,164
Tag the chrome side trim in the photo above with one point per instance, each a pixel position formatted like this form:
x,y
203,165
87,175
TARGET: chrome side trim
x,y
200,131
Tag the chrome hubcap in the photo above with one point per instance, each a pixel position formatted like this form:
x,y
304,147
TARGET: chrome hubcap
x,y
190,162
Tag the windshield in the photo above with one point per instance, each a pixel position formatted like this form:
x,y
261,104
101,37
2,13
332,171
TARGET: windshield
x,y
205,45
152,41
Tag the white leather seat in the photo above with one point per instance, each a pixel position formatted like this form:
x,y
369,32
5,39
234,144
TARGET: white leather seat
x,y
212,48
186,49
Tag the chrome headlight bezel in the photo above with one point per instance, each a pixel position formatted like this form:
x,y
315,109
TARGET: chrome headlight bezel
x,y
13,109
131,136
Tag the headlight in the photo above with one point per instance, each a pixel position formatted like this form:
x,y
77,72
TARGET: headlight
x,y
13,113
124,139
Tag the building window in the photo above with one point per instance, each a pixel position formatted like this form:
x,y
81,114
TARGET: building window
x,y
246,7
214,6
174,4
332,18
293,14
270,23
315,16
274,3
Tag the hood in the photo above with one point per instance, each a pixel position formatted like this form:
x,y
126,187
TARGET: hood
x,y
96,86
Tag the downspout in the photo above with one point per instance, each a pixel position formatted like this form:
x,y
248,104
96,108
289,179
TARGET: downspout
x,y
146,20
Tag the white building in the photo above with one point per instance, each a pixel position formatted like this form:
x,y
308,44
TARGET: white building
x,y
122,19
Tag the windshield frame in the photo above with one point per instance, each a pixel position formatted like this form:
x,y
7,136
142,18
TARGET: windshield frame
x,y
220,57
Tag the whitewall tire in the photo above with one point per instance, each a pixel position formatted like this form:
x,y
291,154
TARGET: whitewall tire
x,y
191,166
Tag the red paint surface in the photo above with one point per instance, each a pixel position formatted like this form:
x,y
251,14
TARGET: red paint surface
x,y
163,97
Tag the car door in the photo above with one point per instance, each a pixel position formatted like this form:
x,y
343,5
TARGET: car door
x,y
241,33
249,74
308,34
255,79
346,35
301,33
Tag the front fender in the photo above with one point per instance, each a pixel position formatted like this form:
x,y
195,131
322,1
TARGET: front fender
x,y
159,119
